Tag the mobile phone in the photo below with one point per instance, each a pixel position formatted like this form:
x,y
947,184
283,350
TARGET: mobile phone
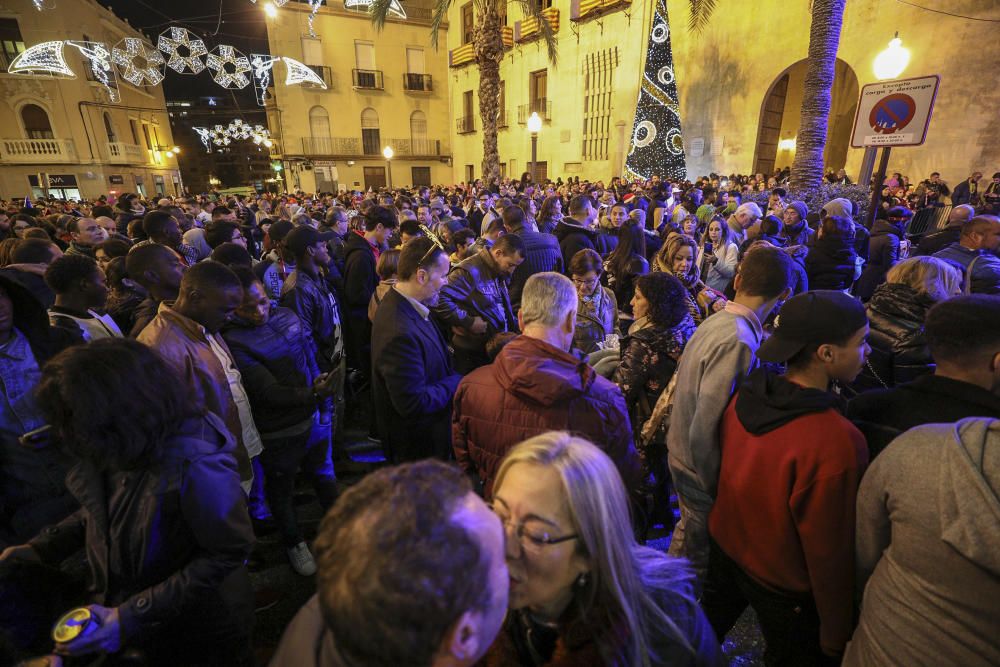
x,y
708,247
38,438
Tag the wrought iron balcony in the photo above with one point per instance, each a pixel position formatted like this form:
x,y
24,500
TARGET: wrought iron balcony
x,y
465,124
367,79
541,106
417,83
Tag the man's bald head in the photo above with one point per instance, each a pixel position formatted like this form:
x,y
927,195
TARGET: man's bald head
x,y
961,214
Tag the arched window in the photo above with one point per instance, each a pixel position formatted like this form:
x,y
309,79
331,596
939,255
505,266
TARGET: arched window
x,y
36,122
109,128
319,131
370,139
418,133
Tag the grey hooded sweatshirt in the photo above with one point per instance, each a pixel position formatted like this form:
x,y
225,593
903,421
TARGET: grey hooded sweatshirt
x,y
928,549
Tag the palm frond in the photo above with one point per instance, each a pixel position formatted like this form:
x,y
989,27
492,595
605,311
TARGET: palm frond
x,y
379,10
439,16
533,9
701,14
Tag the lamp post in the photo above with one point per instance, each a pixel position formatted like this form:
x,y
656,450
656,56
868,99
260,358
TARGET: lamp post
x,y
888,64
388,153
534,126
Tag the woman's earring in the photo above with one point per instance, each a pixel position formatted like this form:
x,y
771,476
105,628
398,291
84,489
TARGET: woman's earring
x,y
581,581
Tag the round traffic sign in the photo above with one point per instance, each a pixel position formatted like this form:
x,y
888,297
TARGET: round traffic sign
x,y
892,113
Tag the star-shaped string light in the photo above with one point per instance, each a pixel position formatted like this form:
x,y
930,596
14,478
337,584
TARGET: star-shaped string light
x,y
185,52
262,64
44,58
298,73
223,57
138,62
99,57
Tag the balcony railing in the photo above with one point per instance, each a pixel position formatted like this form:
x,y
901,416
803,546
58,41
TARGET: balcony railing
x,y
465,124
120,152
529,29
323,72
331,145
355,147
368,79
584,9
37,151
541,106
415,147
417,83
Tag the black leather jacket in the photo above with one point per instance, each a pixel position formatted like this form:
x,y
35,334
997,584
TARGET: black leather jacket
x,y
475,289
159,537
310,297
278,364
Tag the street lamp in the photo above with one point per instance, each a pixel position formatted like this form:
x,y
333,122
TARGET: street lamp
x,y
270,10
534,126
388,153
892,61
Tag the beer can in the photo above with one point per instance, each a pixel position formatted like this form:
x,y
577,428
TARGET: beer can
x,y
78,622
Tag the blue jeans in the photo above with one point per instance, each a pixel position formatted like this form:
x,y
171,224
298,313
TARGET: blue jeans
x,y
282,459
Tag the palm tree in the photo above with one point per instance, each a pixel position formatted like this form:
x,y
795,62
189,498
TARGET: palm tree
x,y
824,39
487,40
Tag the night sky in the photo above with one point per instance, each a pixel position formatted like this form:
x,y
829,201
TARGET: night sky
x,y
239,23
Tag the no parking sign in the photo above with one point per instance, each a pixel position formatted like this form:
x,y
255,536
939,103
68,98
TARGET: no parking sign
x,y
895,113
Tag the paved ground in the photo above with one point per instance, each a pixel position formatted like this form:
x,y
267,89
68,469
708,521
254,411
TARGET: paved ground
x,y
278,582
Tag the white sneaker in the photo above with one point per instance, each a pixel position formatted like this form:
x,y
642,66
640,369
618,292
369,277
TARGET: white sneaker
x,y
302,561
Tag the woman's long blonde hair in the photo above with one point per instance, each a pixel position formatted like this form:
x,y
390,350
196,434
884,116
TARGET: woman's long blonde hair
x,y
931,276
627,580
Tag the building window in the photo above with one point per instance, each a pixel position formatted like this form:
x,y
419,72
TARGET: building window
x,y
598,91
545,4
470,173
312,51
36,122
364,55
538,84
371,142
420,176
502,105
319,141
418,134
374,178
466,122
11,43
135,132
468,23
502,11
109,128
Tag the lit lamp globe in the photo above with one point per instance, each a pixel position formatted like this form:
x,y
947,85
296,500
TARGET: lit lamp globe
x,y
892,61
534,123
387,152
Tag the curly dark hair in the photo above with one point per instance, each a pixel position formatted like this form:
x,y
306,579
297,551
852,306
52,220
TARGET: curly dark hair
x,y
85,390
68,271
395,572
667,298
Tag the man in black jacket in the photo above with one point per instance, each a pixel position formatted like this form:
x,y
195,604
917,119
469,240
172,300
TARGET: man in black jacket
x,y
361,252
577,232
541,253
475,303
941,239
275,356
963,334
413,381
29,261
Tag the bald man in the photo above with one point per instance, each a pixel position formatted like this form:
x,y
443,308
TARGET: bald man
x,y
941,239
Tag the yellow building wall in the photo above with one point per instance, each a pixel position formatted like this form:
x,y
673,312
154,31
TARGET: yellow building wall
x,y
76,109
338,30
725,73
560,143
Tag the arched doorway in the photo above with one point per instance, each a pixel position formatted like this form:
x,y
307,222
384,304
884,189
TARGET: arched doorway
x,y
779,118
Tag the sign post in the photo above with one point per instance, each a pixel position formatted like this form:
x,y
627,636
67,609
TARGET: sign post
x,y
892,113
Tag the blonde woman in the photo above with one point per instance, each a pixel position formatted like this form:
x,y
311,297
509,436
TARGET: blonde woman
x,y
896,315
582,591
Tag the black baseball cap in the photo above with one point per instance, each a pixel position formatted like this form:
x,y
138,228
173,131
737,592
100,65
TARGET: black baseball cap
x,y
305,236
899,213
812,318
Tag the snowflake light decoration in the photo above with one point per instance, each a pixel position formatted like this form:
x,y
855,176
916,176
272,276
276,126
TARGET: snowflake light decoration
x,y
138,62
99,58
297,74
184,51
44,58
229,67
220,136
237,130
262,64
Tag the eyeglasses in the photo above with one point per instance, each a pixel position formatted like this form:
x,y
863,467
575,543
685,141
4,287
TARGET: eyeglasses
x,y
586,282
532,540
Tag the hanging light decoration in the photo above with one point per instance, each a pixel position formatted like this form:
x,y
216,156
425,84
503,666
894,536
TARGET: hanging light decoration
x,y
298,73
99,58
891,62
185,53
313,9
45,58
237,130
395,9
205,135
42,5
138,62
262,64
224,57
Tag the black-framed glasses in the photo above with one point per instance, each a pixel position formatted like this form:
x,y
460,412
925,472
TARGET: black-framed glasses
x,y
530,539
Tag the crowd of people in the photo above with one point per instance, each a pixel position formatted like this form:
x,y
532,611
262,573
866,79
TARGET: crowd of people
x,y
550,370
